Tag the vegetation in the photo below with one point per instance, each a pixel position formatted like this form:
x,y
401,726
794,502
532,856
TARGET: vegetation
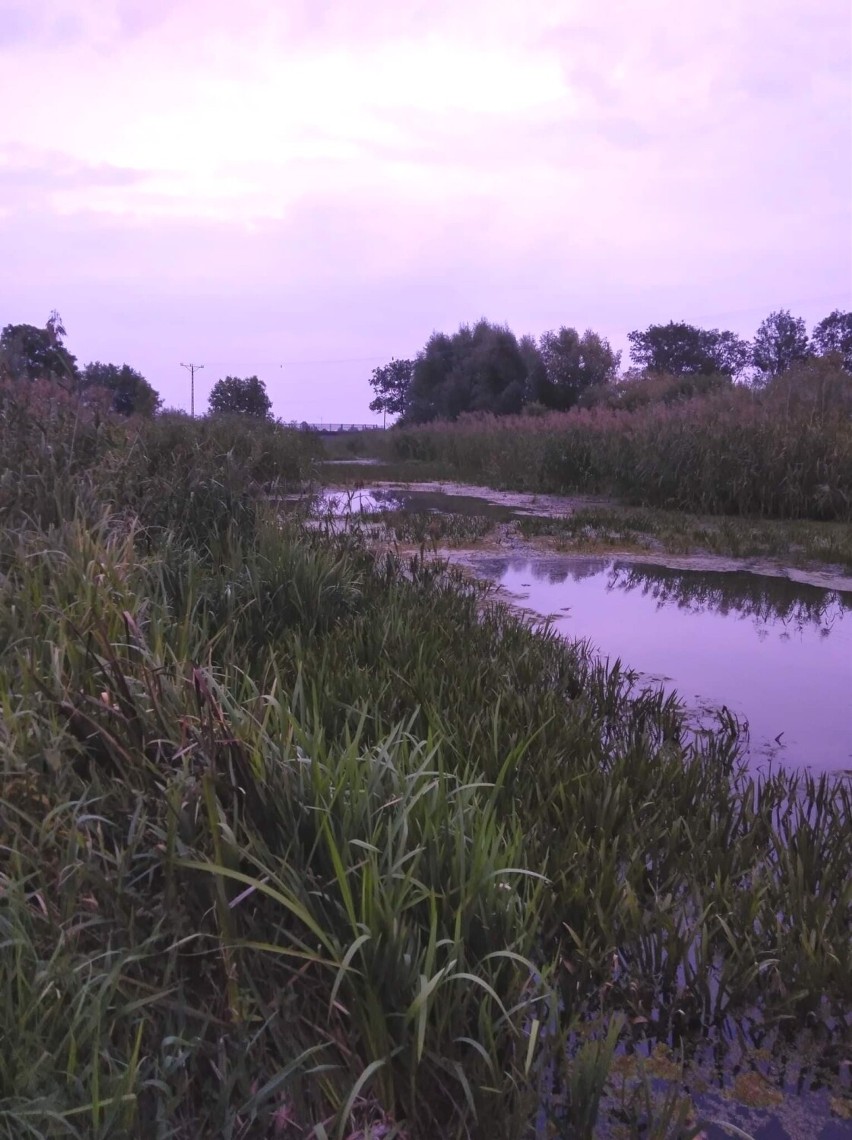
x,y
679,349
297,839
391,383
29,354
235,396
784,451
780,343
613,528
128,392
833,334
486,369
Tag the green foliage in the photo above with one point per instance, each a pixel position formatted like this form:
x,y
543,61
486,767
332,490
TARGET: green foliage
x,y
618,528
30,353
130,393
572,364
681,349
780,342
478,369
784,451
834,334
639,390
245,397
297,839
391,383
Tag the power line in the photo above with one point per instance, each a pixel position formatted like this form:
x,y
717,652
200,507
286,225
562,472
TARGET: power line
x,y
291,363
192,369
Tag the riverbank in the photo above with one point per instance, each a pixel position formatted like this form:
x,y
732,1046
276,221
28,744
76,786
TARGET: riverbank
x,y
489,520
302,838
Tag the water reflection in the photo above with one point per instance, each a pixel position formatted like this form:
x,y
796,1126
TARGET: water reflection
x,y
372,500
775,652
767,600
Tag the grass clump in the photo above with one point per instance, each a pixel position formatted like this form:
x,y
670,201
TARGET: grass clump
x,y
601,528
300,839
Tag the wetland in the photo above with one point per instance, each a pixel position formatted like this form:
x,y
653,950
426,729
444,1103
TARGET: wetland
x,y
311,828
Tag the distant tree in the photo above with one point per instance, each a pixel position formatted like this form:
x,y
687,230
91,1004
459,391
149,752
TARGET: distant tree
x,y
834,334
130,391
245,397
683,350
391,384
31,353
478,369
536,373
573,363
779,343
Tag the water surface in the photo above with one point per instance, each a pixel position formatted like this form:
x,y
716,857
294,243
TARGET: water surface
x,y
372,500
777,653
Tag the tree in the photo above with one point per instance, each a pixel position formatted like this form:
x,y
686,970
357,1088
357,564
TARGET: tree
x,y
391,383
834,334
31,353
573,363
685,350
535,383
245,397
130,391
779,343
478,369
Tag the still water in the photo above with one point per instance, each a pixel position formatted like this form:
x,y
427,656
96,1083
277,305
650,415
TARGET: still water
x,y
371,500
778,654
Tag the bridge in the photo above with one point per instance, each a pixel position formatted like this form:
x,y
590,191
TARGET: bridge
x,y
334,429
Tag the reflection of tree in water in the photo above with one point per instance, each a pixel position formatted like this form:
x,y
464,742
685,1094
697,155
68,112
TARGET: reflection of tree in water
x,y
557,570
552,570
767,601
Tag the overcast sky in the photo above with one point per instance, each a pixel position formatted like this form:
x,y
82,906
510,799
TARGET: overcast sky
x,y
303,189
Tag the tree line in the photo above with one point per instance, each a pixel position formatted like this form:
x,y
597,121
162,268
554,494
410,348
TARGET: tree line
x,y
486,368
479,368
31,353
28,352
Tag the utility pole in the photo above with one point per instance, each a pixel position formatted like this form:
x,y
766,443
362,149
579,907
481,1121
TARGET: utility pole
x,y
192,369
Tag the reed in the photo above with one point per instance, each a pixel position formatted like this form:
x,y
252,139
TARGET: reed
x,y
781,452
301,839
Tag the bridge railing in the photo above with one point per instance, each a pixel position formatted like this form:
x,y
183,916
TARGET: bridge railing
x,y
333,429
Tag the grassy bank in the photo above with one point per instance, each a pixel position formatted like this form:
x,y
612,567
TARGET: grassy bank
x,y
782,452
599,529
300,840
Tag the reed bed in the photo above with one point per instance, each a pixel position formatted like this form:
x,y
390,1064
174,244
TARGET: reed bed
x,y
297,839
781,452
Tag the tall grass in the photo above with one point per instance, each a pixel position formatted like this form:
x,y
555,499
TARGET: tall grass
x,y
782,452
296,839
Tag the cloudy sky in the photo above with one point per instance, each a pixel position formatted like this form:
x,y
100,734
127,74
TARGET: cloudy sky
x,y
303,189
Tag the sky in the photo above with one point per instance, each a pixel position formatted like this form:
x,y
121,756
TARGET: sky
x,y
303,189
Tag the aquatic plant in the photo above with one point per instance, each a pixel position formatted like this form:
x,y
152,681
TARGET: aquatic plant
x,y
301,839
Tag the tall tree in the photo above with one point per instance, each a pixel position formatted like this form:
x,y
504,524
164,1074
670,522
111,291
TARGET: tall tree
x,y
31,353
130,391
780,341
573,363
683,350
834,334
535,384
391,384
236,396
478,369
